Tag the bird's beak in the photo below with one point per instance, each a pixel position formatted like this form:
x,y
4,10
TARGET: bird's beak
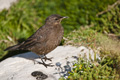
x,y
65,17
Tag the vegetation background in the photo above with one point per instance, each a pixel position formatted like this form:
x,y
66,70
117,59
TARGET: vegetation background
x,y
92,23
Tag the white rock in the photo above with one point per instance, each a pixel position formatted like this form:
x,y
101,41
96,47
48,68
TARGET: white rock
x,y
20,67
6,4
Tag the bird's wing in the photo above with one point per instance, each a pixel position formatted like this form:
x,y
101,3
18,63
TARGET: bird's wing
x,y
28,43
39,37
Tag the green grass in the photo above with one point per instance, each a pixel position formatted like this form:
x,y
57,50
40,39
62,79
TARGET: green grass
x,y
82,36
108,48
25,17
85,70
109,21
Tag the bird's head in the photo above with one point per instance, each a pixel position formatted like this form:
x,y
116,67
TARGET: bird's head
x,y
54,19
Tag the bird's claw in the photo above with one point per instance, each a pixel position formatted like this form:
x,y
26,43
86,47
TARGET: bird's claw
x,y
45,58
46,65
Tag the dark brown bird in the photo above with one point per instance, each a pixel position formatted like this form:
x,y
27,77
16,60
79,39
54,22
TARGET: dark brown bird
x,y
45,39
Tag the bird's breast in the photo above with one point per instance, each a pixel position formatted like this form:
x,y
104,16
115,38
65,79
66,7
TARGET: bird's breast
x,y
54,39
49,41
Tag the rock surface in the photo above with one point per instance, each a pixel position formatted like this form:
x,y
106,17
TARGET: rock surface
x,y
6,4
21,66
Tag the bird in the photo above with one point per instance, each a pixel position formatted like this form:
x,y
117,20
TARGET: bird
x,y
45,39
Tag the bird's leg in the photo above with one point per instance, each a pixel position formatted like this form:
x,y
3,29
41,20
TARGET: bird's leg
x,y
33,60
45,58
44,62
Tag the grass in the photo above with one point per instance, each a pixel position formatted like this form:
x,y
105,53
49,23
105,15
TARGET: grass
x,y
107,47
25,17
82,36
85,70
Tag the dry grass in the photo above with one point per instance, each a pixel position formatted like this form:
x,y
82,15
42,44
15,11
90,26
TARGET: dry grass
x,y
90,38
111,48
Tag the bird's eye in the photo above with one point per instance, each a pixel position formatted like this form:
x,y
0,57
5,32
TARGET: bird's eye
x,y
56,19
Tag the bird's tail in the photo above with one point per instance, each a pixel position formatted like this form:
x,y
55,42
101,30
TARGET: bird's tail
x,y
12,48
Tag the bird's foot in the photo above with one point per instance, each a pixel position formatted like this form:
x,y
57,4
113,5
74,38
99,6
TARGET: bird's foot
x,y
45,58
46,65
